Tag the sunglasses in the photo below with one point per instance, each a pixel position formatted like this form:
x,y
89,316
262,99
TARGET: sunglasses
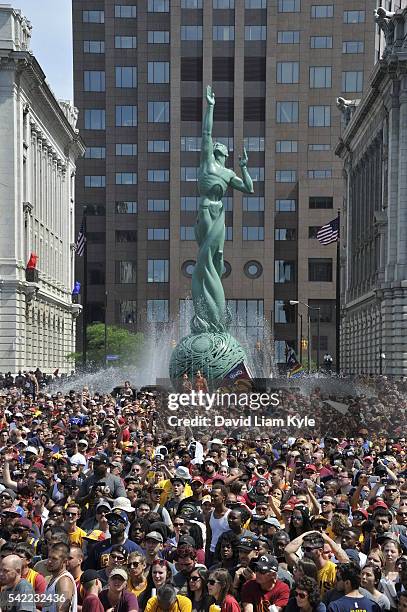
x,y
178,524
56,513
133,564
211,581
391,490
71,514
196,578
301,595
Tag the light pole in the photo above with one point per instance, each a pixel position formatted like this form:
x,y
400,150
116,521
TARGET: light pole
x,y
309,308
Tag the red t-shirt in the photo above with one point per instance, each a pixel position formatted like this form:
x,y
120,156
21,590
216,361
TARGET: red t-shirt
x,y
230,604
261,600
92,603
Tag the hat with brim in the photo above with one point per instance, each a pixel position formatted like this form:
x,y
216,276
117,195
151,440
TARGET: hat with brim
x,y
119,572
155,535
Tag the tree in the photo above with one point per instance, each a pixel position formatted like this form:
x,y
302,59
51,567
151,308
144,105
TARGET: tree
x,y
127,345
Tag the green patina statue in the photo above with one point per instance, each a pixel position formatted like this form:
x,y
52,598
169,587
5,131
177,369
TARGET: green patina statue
x,y
210,348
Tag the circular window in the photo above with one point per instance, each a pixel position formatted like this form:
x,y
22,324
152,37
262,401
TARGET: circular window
x,y
227,269
253,269
188,267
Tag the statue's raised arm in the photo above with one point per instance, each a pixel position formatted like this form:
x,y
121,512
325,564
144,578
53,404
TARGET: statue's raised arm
x,y
206,145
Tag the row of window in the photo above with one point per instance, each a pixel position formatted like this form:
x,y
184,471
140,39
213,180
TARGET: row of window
x,y
191,204
194,32
318,11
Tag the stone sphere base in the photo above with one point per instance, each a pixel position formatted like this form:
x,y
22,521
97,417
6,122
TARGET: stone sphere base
x,y
215,354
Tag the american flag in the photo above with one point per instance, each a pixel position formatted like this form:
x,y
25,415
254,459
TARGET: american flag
x,y
329,233
81,241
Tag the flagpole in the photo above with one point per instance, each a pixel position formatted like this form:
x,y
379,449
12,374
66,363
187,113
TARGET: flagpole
x,y
338,297
85,290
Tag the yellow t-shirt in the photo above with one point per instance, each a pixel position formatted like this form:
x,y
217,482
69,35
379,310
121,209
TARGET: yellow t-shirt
x,y
76,537
327,577
137,591
181,604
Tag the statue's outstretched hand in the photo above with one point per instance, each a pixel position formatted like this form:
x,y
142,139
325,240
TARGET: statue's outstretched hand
x,y
210,96
243,159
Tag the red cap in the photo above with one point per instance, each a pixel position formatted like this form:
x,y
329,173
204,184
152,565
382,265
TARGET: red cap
x,y
311,467
361,511
368,458
218,477
198,479
25,522
379,504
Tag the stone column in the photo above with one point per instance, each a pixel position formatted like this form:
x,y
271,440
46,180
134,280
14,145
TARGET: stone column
x,y
401,272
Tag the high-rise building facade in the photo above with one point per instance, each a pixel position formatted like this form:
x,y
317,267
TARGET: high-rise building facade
x,y
276,67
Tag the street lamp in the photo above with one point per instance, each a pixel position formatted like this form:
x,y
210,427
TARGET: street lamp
x,y
318,309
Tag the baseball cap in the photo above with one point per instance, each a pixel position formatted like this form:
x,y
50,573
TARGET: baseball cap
x,y
342,505
103,503
271,520
88,576
32,450
248,543
368,458
310,467
319,518
154,535
115,515
100,458
353,555
118,572
267,563
197,479
24,522
361,511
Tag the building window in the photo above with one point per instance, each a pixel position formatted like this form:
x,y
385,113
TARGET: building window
x,y
126,149
319,147
126,236
255,4
254,143
159,37
253,269
96,210
158,176
253,204
95,181
158,72
228,232
320,77
187,232
286,176
126,208
285,205
326,310
126,76
288,37
286,146
127,312
251,232
257,173
96,274
322,11
223,4
158,6
126,272
158,112
158,146
289,6
353,46
190,143
247,318
227,203
125,42
320,270
125,11
285,233
227,141
284,271
93,46
95,153
93,16
158,205
288,72
352,80
158,233
319,116
189,173
126,178
255,32
287,112
284,312
157,311
226,32
157,270
192,32
96,238
187,270
321,42
353,16
94,80
321,202
189,203
126,116
95,119
320,174
191,4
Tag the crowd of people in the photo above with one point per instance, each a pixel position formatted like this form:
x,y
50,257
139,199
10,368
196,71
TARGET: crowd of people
x,y
102,509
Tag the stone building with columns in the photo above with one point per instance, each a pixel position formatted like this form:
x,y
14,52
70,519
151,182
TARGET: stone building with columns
x,y
373,147
39,145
